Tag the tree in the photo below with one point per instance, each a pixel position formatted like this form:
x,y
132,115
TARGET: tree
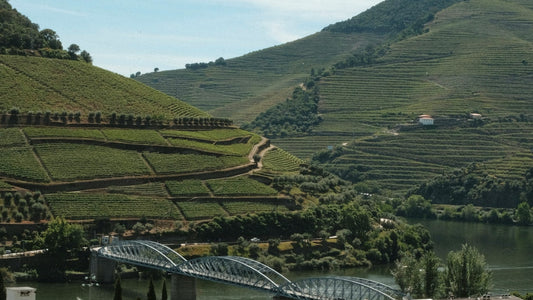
x,y
86,56
467,274
432,279
51,39
118,290
61,240
3,295
164,295
419,277
151,291
523,213
408,276
73,48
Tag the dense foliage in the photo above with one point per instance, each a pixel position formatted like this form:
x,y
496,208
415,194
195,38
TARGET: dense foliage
x,y
467,273
62,241
468,186
393,16
363,57
360,240
18,35
295,116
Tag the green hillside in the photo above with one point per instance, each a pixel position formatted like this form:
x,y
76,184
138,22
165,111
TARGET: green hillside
x,y
100,171
38,85
447,59
247,85
473,58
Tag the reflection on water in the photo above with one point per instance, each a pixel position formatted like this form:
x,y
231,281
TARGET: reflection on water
x,y
507,250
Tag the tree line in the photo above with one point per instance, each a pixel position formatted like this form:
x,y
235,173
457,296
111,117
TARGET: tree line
x,y
19,36
471,185
14,117
392,17
202,65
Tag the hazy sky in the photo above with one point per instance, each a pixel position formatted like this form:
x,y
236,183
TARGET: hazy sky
x,y
126,36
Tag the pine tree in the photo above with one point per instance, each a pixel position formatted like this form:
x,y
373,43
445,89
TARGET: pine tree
x,y
164,295
118,290
151,291
3,295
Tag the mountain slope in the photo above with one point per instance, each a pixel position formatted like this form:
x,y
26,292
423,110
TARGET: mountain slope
x,y
474,57
39,84
247,85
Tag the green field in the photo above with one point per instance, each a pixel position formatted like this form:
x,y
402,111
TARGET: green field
x,y
279,160
21,163
90,206
213,135
197,210
244,207
67,162
11,137
186,163
148,189
62,132
240,186
139,136
187,188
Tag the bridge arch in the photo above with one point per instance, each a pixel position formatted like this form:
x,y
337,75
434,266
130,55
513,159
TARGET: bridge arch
x,y
233,270
345,288
142,253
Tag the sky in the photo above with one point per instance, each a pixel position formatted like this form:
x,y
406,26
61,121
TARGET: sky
x,y
129,36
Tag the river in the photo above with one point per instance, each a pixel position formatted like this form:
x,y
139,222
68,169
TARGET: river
x,y
507,249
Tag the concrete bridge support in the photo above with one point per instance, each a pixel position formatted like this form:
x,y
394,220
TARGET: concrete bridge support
x,y
182,287
102,269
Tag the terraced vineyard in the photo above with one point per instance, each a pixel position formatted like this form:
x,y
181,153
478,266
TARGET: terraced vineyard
x,y
128,173
187,188
197,210
239,186
90,206
243,207
250,84
54,85
474,57
278,161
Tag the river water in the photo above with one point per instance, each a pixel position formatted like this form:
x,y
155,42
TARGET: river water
x,y
508,251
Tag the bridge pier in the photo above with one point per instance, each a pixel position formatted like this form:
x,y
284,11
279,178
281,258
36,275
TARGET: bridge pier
x,y
182,287
102,269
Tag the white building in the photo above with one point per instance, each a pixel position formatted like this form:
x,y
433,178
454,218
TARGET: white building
x,y
20,293
425,120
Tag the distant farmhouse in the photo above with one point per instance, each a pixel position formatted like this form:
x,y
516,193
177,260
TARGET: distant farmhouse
x,y
475,116
425,120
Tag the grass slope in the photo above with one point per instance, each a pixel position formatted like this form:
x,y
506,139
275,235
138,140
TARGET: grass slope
x,y
254,82
40,84
474,57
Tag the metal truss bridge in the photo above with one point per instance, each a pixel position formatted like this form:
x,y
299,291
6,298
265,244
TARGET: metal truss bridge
x,y
245,272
